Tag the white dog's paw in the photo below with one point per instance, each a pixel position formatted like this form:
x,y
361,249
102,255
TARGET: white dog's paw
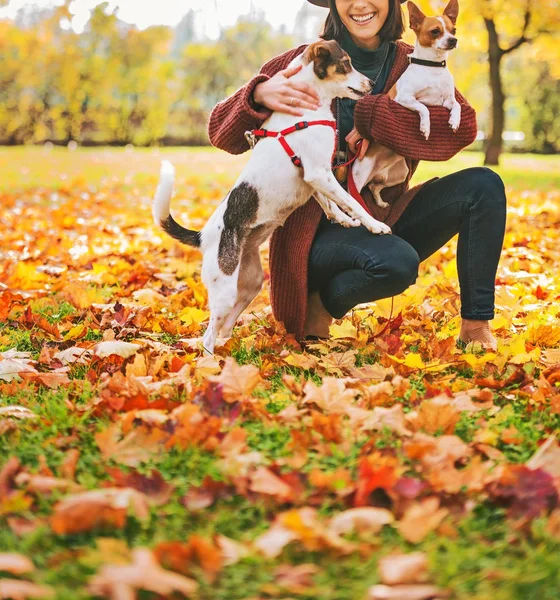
x,y
454,122
377,227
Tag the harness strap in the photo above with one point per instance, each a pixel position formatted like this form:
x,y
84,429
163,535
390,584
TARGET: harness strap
x,y
263,133
296,160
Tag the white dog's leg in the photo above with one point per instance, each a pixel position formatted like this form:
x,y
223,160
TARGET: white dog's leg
x,y
326,183
222,292
334,213
248,286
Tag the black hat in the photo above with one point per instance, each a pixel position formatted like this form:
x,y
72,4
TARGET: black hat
x,y
325,3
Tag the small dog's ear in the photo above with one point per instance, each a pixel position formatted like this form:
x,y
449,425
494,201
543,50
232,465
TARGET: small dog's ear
x,y
321,54
416,16
452,11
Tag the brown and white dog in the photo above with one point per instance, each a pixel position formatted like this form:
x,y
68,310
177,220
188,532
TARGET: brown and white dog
x,y
420,86
269,189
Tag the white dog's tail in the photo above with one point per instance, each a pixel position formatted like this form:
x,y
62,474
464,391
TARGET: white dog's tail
x,y
161,208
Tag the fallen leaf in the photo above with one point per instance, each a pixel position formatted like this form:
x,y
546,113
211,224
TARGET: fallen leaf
x,y
98,508
120,581
18,590
17,564
364,519
403,568
420,519
124,349
407,592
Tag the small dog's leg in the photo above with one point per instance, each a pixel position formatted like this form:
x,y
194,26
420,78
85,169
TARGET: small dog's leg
x,y
334,213
455,116
376,191
326,183
421,109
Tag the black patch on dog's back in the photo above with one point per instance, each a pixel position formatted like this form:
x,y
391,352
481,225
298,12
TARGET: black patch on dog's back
x,y
240,213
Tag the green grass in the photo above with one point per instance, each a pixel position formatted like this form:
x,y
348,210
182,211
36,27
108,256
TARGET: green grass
x,y
24,167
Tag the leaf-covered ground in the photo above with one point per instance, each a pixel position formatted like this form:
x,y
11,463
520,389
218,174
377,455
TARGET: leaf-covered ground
x,y
384,463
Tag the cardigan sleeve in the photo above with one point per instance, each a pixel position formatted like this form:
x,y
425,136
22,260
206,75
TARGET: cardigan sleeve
x,y
231,118
391,124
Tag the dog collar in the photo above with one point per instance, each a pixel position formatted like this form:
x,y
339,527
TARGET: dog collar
x,y
426,63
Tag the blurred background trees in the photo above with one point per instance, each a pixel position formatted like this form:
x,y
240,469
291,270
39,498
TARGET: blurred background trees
x,y
116,84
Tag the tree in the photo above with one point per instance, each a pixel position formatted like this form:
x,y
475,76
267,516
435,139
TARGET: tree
x,y
529,23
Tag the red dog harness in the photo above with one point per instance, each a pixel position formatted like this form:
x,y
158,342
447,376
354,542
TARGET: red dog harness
x,y
256,134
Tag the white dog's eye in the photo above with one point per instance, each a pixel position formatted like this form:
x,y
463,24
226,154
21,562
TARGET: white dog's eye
x,y
435,32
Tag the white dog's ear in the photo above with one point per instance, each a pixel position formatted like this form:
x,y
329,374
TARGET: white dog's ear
x,y
416,16
452,11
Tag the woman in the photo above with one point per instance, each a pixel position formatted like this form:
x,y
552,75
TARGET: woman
x,y
320,270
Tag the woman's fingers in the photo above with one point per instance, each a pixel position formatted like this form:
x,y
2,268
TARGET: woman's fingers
x,y
363,148
301,100
290,71
308,92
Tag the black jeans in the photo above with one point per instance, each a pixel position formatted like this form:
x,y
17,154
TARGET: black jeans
x,y
351,265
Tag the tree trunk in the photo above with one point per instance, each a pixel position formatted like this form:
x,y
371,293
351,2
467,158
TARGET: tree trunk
x,y
495,53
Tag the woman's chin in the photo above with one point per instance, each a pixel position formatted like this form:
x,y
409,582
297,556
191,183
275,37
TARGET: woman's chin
x,y
365,38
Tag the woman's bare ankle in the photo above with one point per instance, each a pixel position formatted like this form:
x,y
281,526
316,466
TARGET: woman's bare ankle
x,y
478,332
318,319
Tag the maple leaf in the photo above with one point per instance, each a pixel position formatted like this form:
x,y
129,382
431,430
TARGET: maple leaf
x,y
420,519
179,556
17,564
547,457
331,397
42,484
120,581
407,592
11,368
17,589
528,493
372,477
132,449
232,551
360,520
88,510
123,349
264,481
397,569
435,415
153,486
238,381
17,412
296,579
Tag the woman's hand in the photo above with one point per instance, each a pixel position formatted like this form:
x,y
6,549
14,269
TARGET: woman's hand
x,y
357,143
281,94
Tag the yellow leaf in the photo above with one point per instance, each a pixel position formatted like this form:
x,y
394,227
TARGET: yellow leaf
x,y
346,330
75,332
499,322
190,315
414,361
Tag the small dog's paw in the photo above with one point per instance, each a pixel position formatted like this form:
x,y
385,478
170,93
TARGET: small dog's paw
x,y
425,129
454,123
381,203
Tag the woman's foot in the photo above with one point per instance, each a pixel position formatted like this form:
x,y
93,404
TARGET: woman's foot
x,y
318,319
477,332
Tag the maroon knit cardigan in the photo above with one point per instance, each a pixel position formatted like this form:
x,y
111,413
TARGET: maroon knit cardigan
x,y
376,117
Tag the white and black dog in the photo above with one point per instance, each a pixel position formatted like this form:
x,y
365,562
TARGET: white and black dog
x,y
270,188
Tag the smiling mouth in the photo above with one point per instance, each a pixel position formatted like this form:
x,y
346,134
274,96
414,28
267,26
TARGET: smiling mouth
x,y
363,19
